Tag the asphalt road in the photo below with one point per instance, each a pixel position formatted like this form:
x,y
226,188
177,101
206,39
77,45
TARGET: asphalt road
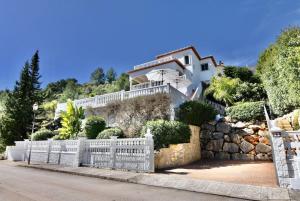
x,y
24,184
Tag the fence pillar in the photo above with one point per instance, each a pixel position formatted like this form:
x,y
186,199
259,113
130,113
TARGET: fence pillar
x,y
79,153
49,150
279,157
122,94
150,151
113,151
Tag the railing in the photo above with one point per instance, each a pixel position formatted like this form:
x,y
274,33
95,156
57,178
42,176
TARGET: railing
x,y
102,100
146,85
155,62
135,154
286,154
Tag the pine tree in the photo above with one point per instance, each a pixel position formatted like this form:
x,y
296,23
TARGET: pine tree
x,y
111,75
98,76
35,91
17,121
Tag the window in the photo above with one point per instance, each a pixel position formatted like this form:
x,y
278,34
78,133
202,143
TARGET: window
x,y
204,67
187,60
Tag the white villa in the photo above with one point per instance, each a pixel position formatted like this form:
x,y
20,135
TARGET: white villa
x,y
181,73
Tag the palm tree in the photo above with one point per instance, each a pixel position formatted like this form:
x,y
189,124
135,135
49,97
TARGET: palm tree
x,y
223,89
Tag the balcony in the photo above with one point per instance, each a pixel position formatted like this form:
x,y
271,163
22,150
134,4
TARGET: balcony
x,y
155,62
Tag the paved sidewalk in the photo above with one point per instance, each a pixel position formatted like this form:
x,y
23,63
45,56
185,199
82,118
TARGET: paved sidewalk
x,y
243,191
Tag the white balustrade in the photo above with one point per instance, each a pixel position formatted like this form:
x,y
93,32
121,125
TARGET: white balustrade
x,y
102,100
135,154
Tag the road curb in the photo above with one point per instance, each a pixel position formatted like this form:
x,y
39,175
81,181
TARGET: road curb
x,y
232,190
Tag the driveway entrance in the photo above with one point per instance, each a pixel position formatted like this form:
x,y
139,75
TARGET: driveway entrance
x,y
243,172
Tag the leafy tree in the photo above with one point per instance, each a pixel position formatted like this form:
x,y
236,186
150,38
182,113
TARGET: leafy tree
x,y
243,73
247,91
279,69
70,92
111,75
123,82
3,98
71,121
98,76
223,89
54,89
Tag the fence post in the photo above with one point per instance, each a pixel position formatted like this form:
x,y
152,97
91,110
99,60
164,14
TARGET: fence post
x,y
149,151
79,153
49,150
113,151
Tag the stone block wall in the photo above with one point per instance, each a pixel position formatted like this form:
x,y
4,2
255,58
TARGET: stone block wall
x,y
180,154
227,140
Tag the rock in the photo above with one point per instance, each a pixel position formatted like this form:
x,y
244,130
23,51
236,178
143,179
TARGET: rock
x,y
215,145
239,156
249,131
222,156
246,146
245,131
253,139
239,125
223,127
218,135
235,138
230,147
255,128
262,148
264,140
262,156
208,127
263,133
263,126
207,134
213,123
207,154
227,138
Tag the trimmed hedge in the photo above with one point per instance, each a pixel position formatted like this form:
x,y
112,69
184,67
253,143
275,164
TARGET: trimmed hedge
x,y
93,126
167,132
195,113
247,111
42,134
107,133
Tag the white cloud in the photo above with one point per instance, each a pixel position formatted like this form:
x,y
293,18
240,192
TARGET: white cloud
x,y
244,61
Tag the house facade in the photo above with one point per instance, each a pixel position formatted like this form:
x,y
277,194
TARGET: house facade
x,y
180,73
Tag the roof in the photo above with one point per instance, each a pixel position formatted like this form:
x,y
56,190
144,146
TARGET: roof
x,y
158,64
210,57
180,50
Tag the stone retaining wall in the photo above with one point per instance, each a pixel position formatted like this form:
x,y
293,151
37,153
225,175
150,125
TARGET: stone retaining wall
x,y
235,141
180,154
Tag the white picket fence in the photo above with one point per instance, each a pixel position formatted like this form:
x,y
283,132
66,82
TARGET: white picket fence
x,y
135,154
286,154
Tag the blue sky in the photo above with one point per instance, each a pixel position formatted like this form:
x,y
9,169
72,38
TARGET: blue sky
x,y
76,36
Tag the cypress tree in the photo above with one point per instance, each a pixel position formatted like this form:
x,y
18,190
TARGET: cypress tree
x,y
17,121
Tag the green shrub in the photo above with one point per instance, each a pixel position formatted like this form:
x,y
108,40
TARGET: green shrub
x,y
247,111
107,133
93,126
167,132
195,113
42,134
